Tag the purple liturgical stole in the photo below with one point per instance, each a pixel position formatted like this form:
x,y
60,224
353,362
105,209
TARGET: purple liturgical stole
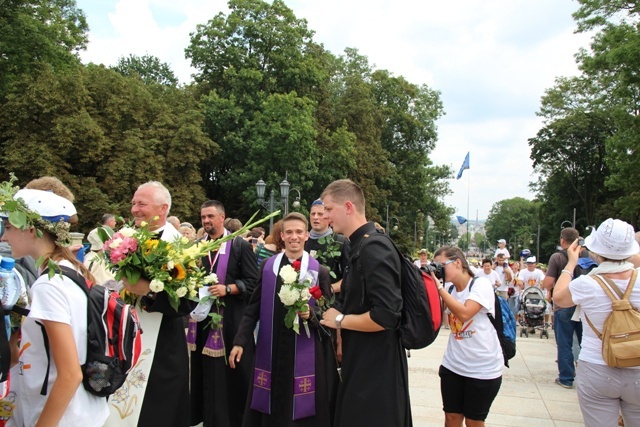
x,y
214,346
304,378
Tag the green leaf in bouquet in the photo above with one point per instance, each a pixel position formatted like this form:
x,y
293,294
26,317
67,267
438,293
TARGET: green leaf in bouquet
x,y
133,275
174,301
105,233
135,259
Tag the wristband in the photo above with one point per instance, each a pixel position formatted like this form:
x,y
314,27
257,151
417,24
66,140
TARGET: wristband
x,y
568,272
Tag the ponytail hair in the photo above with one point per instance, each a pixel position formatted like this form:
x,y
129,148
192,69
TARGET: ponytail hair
x,y
61,253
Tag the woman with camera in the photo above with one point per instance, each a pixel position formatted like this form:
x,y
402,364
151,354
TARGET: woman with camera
x,y
471,370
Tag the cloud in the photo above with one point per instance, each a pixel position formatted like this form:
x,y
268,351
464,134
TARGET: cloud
x,y
156,27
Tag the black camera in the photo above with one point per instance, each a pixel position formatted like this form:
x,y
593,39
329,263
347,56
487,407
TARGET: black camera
x,y
436,268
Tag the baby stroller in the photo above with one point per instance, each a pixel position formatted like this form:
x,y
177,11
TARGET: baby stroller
x,y
532,310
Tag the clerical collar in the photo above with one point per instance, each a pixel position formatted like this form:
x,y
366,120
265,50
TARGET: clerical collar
x,y
315,235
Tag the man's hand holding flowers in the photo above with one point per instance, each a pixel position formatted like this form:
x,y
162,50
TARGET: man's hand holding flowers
x,y
294,295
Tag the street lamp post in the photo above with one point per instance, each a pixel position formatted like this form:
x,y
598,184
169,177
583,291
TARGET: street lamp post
x,y
389,218
272,204
562,224
395,227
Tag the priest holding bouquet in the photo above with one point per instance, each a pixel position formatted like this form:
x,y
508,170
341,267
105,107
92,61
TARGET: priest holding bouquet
x,y
289,385
157,390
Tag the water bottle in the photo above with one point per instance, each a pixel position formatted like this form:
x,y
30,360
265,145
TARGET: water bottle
x,y
9,288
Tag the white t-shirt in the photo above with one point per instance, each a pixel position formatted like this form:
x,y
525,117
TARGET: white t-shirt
x,y
473,349
504,251
531,278
58,299
596,305
504,283
493,277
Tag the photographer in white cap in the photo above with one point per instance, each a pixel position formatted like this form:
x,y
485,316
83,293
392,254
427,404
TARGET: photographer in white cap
x,y
603,391
49,392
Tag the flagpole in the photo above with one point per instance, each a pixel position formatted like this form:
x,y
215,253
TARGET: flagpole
x,y
468,197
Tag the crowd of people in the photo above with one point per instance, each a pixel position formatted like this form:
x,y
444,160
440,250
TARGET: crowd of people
x,y
345,366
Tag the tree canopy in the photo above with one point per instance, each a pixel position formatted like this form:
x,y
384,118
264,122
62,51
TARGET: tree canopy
x,y
267,102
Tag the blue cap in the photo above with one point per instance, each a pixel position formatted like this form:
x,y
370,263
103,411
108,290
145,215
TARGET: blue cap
x,y
317,202
7,263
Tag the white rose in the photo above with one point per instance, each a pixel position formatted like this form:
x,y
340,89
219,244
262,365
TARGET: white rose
x,y
127,231
288,295
305,295
156,286
182,291
170,265
288,274
211,278
193,293
115,243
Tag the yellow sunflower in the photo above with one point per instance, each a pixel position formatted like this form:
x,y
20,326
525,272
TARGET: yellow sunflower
x,y
178,272
149,246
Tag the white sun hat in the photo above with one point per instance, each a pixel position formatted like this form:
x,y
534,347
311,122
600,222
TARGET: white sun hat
x,y
614,239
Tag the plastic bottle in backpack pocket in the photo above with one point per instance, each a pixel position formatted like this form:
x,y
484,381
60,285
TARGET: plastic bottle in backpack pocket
x,y
9,283
9,288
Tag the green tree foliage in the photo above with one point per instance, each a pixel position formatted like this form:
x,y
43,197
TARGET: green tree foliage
x,y
147,67
571,147
587,153
38,31
267,102
277,102
103,134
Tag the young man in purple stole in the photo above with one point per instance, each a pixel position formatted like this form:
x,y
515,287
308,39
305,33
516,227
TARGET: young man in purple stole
x,y
219,393
289,386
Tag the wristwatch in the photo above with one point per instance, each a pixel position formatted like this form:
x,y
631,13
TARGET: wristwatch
x,y
228,289
339,318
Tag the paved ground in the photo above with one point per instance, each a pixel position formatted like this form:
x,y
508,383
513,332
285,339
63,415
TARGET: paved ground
x,y
528,395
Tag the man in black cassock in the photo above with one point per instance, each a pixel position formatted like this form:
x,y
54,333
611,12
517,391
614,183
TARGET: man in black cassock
x,y
159,396
375,388
321,237
289,381
331,250
219,393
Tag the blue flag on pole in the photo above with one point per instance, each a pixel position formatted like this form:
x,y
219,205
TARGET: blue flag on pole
x,y
465,165
461,219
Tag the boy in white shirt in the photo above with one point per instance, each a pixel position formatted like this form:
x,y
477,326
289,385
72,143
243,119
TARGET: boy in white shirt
x,y
502,249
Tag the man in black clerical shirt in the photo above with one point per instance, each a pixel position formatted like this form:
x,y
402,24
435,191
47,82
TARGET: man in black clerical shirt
x,y
218,393
374,388
329,248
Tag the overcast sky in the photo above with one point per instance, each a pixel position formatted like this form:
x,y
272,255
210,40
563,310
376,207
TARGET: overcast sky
x,y
491,60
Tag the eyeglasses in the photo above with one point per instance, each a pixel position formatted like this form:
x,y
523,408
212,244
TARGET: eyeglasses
x,y
448,262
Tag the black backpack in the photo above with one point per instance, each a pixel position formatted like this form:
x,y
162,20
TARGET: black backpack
x,y
113,338
421,306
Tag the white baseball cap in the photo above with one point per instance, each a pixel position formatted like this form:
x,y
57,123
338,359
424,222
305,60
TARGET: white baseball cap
x,y
48,205
531,260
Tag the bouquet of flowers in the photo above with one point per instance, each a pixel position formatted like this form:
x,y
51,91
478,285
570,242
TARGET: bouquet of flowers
x,y
171,267
295,294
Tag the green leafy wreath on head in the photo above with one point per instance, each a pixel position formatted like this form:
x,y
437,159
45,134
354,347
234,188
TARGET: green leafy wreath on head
x,y
19,215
